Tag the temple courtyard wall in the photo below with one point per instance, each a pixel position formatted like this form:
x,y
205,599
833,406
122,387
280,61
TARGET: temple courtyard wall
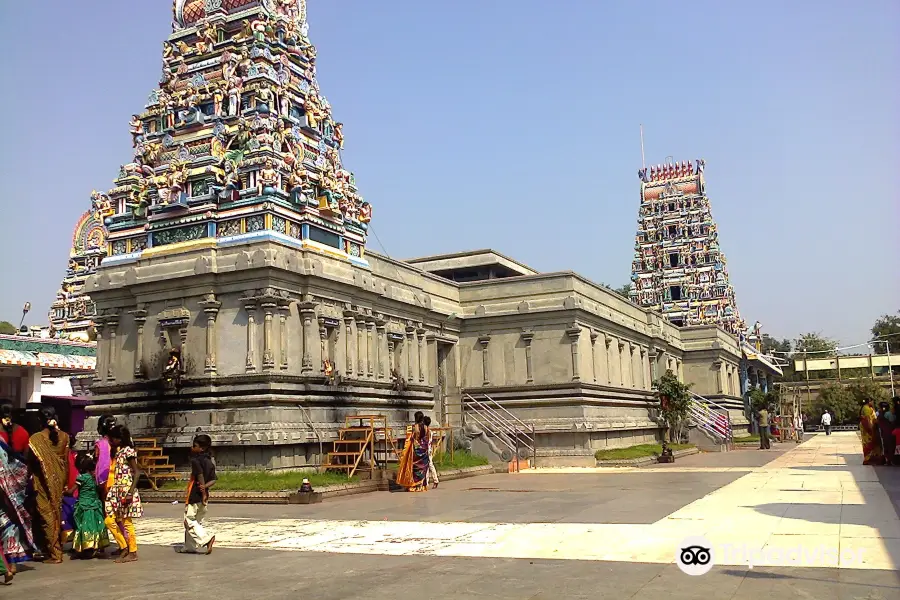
x,y
281,341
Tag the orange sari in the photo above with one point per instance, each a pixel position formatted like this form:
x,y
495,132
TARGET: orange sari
x,y
413,468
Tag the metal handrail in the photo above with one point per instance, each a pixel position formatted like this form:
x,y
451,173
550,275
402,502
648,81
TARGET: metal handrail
x,y
707,419
504,409
499,422
494,421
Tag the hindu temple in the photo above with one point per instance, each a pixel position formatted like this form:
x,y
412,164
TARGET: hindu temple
x,y
71,314
237,295
679,268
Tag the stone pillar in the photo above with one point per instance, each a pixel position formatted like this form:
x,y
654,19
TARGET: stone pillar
x,y
392,348
268,307
380,350
284,311
348,324
622,377
307,313
679,364
101,352
574,334
411,352
371,348
113,324
764,380
211,308
140,319
594,336
360,346
421,353
633,357
485,359
323,341
527,337
645,369
717,366
607,342
250,307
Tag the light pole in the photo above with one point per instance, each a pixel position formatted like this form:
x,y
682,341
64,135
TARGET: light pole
x,y
887,350
25,310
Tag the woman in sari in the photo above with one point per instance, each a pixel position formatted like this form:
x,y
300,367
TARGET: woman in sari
x,y
868,431
16,544
102,454
886,432
412,472
49,460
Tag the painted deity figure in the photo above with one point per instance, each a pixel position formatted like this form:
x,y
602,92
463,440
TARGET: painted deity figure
x,y
267,178
328,196
234,96
210,36
365,212
297,180
176,179
218,96
339,135
313,111
137,130
264,98
102,204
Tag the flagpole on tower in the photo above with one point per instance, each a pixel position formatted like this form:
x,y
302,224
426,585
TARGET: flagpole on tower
x,y
643,165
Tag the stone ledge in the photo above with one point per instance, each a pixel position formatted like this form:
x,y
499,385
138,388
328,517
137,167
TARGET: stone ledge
x,y
292,497
646,460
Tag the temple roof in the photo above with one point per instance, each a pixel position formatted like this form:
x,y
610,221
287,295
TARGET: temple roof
x,y
471,265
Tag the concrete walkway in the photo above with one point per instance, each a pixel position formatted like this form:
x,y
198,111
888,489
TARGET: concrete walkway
x,y
813,506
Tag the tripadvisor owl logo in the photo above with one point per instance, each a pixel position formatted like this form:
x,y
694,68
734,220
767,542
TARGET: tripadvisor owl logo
x,y
694,556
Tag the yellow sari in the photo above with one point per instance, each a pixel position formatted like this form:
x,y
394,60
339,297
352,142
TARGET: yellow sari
x,y
868,432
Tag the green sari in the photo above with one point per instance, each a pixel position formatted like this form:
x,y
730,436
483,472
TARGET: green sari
x,y
90,530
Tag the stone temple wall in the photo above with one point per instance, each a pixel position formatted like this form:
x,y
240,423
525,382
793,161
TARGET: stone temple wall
x,y
256,324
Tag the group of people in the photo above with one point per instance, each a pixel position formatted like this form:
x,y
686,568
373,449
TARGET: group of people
x,y
879,430
416,471
50,494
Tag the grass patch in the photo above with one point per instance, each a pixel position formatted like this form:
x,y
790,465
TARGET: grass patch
x,y
747,438
262,481
639,451
461,460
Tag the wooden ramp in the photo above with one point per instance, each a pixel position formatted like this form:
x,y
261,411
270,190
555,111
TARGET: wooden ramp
x,y
153,461
365,443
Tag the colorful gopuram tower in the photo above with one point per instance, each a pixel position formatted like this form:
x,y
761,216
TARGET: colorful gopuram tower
x,y
237,141
678,267
72,312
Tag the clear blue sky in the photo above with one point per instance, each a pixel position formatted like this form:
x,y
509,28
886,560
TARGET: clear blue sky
x,y
513,124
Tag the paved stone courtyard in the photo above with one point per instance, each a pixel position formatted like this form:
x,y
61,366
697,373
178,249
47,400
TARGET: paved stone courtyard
x,y
568,533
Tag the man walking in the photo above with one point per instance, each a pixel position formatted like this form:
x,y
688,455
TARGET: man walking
x,y
763,416
826,422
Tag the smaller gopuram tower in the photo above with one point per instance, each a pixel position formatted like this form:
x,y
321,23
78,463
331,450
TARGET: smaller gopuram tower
x,y
678,266
72,312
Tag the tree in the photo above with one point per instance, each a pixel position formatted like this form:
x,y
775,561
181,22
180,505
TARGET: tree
x,y
839,401
814,343
758,399
7,328
864,389
624,291
887,328
674,403
771,345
